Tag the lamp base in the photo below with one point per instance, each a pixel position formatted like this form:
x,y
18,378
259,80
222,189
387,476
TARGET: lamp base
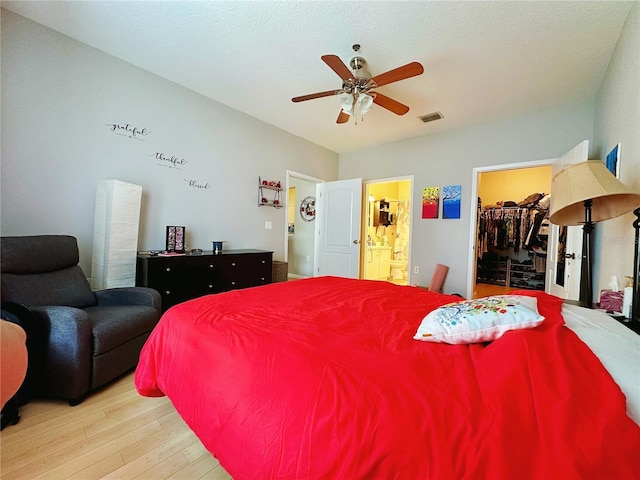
x,y
586,275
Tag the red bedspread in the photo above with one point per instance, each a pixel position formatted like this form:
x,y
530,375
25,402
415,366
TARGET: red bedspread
x,y
321,379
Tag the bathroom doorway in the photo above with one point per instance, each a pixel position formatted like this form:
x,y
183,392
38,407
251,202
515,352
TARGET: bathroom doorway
x,y
386,237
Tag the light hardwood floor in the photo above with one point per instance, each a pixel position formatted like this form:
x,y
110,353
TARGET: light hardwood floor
x,y
485,289
114,433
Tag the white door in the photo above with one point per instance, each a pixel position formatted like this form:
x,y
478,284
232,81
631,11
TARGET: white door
x,y
564,250
338,213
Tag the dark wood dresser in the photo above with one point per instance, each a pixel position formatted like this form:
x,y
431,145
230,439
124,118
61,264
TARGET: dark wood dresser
x,y
181,278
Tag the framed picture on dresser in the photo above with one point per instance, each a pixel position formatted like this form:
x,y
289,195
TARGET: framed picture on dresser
x,y
175,239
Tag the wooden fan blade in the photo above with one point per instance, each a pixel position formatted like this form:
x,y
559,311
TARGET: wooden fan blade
x,y
390,104
338,66
342,117
311,96
406,71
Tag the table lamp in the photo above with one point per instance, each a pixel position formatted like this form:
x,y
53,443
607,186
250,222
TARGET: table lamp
x,y
586,193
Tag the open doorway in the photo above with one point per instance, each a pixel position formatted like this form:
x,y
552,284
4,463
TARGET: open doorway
x,y
386,240
563,273
511,229
300,235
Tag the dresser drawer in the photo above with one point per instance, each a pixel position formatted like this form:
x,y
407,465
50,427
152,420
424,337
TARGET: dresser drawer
x,y
168,275
244,271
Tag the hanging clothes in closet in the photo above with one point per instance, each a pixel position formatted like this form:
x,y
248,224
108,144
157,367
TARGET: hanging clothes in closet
x,y
507,227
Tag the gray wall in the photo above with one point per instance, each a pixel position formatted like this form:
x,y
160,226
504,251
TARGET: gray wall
x,y
617,120
449,158
59,97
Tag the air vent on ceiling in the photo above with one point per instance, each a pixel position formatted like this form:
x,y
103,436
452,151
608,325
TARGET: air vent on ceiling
x,y
430,117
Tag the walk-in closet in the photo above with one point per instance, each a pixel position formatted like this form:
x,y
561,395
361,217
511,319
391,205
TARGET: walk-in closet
x,y
512,229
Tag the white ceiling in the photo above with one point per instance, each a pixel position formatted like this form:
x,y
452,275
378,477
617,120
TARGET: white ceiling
x,y
483,60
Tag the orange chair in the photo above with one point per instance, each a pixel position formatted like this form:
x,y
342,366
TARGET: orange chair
x,y
437,280
13,359
14,362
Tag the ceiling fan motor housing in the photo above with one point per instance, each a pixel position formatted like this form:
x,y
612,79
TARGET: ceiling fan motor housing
x,y
362,77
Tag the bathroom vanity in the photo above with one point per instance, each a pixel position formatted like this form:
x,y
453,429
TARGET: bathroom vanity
x,y
377,262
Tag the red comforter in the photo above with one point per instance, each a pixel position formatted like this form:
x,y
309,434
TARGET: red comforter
x,y
321,379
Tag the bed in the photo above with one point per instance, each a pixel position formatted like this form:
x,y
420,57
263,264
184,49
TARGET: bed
x,y
329,378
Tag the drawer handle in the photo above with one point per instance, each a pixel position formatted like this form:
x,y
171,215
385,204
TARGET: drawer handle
x,y
264,261
233,283
168,269
210,286
210,266
262,278
233,264
168,292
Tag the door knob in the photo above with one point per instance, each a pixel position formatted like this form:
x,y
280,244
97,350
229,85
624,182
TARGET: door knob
x,y
356,242
572,256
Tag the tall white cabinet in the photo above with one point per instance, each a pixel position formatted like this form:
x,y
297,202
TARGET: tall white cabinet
x,y
115,234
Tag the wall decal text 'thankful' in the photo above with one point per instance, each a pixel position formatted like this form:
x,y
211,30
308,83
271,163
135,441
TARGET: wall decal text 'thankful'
x,y
170,161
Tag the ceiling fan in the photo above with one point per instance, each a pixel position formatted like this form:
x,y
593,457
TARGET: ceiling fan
x,y
358,84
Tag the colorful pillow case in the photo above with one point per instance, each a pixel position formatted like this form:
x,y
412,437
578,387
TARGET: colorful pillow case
x,y
479,320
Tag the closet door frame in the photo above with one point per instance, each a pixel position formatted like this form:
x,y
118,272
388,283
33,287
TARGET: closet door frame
x,y
473,227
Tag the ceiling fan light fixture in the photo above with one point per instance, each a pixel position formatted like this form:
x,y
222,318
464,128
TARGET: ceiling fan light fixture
x,y
365,101
346,103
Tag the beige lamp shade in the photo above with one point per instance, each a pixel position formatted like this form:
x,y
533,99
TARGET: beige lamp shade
x,y
589,180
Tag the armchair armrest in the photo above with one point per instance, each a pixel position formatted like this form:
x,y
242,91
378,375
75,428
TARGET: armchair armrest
x,y
129,296
14,312
66,333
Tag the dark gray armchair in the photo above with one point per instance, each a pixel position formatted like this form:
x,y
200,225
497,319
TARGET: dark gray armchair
x,y
78,339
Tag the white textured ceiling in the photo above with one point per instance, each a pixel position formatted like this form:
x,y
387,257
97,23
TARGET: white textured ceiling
x,y
483,60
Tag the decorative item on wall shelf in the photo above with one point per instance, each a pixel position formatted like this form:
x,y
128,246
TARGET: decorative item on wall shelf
x,y
175,239
264,186
308,208
216,246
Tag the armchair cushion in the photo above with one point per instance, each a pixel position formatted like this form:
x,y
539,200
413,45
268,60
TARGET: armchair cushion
x,y
68,287
129,296
113,326
38,253
51,263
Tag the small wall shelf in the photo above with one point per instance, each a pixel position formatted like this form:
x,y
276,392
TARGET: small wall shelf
x,y
266,189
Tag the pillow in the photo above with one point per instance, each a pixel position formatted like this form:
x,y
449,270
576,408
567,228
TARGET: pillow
x,y
479,320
